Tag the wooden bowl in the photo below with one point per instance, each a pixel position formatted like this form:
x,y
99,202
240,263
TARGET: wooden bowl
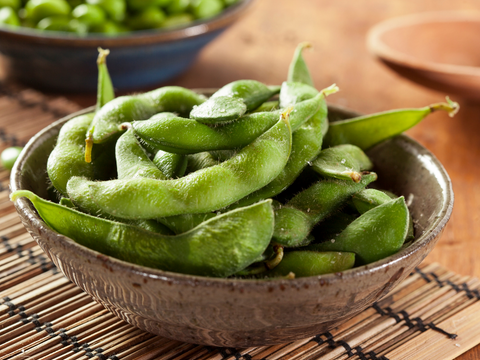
x,y
243,313
438,50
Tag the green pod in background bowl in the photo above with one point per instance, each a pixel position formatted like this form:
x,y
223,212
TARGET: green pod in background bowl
x,y
62,61
242,313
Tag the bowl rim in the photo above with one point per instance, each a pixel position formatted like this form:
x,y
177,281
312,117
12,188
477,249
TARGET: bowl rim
x,y
134,38
26,210
385,52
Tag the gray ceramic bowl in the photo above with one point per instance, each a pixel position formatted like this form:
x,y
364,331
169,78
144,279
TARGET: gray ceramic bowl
x,y
242,313
66,62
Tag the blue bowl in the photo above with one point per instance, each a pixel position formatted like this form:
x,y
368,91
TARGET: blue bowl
x,y
142,59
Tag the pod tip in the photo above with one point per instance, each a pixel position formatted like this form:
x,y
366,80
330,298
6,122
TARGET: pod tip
x,y
88,149
22,193
102,55
332,89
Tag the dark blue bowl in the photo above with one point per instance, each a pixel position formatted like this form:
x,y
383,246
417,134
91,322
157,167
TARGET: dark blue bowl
x,y
65,62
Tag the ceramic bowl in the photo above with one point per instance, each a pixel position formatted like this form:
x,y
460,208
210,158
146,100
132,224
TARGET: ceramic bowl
x,y
243,313
438,50
142,59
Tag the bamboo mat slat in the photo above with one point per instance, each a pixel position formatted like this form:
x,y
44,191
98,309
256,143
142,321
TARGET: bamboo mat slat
x,y
433,314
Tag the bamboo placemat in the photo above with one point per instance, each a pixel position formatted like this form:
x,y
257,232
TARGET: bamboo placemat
x,y
433,314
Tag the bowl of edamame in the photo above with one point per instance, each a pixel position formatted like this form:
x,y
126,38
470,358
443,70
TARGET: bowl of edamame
x,y
284,219
53,45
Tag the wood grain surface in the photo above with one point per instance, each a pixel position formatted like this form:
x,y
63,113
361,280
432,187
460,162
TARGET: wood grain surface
x,y
261,45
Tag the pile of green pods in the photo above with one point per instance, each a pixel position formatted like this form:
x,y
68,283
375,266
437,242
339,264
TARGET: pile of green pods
x,y
253,182
110,17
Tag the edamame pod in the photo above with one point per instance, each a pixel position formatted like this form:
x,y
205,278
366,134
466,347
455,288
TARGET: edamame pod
x,y
298,70
200,161
268,106
66,159
295,220
139,107
306,145
312,263
219,247
374,235
367,199
345,162
133,161
202,191
233,100
332,226
294,92
9,156
37,10
8,16
116,9
171,165
180,224
185,136
368,130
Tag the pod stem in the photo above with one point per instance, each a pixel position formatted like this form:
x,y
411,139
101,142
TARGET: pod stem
x,y
271,263
451,107
124,126
88,148
332,89
286,114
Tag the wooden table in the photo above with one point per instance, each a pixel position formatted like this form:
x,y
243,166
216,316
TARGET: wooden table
x,y
261,46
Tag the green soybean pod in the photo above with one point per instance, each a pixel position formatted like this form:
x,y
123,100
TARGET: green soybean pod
x,y
8,16
148,18
9,156
186,136
13,4
180,224
200,161
203,9
91,15
312,263
376,234
294,92
109,27
236,238
133,161
367,199
171,165
268,106
55,23
66,159
116,9
232,101
139,107
306,145
332,226
252,168
298,70
368,130
37,10
295,220
177,20
178,6
345,162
